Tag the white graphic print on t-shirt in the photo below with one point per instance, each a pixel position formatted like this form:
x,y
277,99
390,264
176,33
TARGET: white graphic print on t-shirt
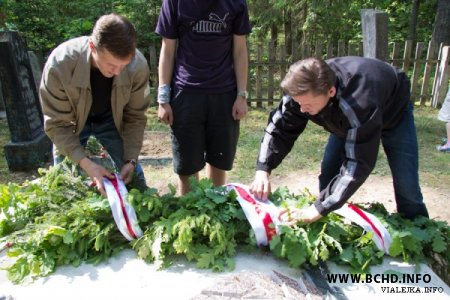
x,y
214,25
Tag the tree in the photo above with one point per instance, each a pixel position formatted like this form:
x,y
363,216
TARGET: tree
x,y
413,21
441,28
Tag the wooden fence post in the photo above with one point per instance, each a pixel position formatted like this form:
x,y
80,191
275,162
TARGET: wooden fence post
x,y
318,50
407,55
341,48
295,53
416,70
424,95
259,76
153,66
305,51
352,49
361,49
249,85
270,87
329,50
375,33
284,64
395,54
441,82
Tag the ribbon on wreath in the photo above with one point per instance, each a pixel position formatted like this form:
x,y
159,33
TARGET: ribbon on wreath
x,y
369,223
123,213
263,217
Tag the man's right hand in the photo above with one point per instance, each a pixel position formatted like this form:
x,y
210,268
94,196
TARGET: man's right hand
x,y
96,172
165,113
261,185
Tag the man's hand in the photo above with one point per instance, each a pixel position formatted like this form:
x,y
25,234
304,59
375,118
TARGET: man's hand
x,y
96,173
292,216
261,185
126,174
240,108
165,113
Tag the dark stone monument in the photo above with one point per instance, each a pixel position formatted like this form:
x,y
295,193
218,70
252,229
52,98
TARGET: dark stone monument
x,y
375,33
35,68
29,148
2,102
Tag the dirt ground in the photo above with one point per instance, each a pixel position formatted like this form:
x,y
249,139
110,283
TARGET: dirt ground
x,y
156,144
375,189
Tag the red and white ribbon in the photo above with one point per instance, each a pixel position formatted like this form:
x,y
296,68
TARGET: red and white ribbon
x,y
369,223
262,215
263,218
123,213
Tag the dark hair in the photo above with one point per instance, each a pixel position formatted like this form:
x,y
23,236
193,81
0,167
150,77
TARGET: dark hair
x,y
310,74
115,34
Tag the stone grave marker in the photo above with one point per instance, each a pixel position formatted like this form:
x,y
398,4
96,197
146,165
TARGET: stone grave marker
x,y
2,103
29,147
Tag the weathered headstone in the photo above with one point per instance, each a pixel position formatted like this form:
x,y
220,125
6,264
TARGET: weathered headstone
x,y
35,68
375,33
29,147
2,103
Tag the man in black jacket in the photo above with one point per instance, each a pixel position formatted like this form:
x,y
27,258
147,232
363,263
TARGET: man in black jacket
x,y
360,101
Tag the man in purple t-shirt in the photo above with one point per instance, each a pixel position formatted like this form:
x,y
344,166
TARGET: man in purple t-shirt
x,y
203,68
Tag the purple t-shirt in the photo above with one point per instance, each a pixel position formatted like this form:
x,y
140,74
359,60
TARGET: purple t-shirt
x,y
204,58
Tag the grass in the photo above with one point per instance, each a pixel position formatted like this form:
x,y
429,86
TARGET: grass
x,y
307,153
305,156
4,138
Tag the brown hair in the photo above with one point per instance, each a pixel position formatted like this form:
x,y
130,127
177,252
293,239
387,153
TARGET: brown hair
x,y
115,34
310,74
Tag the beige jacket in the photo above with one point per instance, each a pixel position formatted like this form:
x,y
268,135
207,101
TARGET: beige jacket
x,y
65,95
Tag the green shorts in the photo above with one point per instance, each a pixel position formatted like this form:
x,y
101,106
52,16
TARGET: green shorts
x,y
203,131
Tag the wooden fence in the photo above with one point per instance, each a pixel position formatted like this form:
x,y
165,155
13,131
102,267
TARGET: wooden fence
x,y
269,63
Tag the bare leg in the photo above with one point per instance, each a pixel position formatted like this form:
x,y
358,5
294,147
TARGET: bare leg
x,y
183,183
217,176
448,133
445,147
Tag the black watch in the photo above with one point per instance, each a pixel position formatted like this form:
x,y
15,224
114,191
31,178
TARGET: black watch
x,y
131,161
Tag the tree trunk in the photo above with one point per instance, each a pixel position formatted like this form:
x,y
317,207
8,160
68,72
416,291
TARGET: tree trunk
x,y
441,28
288,32
413,21
274,34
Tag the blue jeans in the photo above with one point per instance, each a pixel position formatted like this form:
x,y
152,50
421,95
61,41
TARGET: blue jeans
x,y
104,130
400,146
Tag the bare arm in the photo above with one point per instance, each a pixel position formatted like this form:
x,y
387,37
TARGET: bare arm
x,y
165,70
240,60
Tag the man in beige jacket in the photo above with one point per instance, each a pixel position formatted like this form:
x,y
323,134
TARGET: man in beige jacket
x,y
96,86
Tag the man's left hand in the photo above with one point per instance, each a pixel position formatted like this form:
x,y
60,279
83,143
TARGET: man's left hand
x,y
126,174
240,108
293,216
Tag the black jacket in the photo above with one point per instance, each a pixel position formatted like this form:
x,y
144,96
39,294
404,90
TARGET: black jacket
x,y
371,97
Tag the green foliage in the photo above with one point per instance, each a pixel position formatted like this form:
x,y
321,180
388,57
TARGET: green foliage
x,y
330,21
56,189
47,23
327,239
205,225
58,220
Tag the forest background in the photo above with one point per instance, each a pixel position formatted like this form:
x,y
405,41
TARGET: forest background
x,y
46,23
